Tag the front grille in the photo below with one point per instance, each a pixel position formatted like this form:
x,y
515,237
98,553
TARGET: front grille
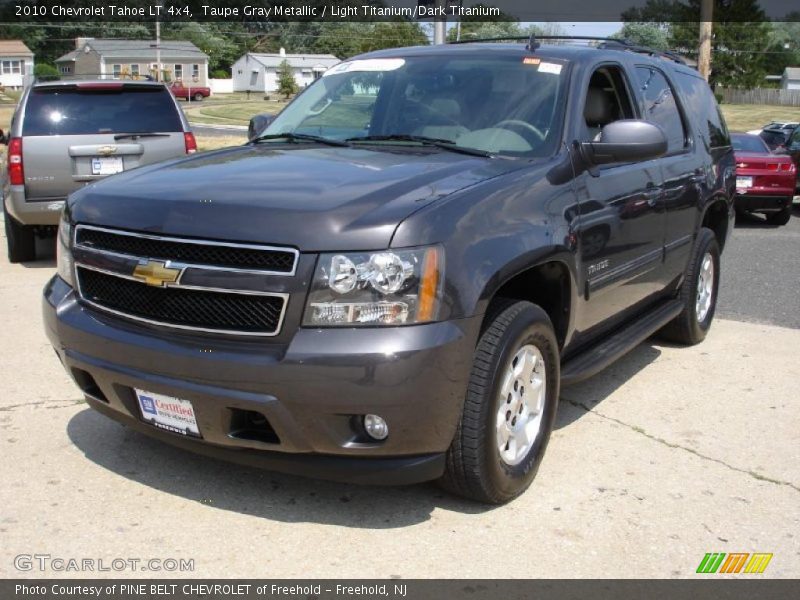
x,y
183,307
212,254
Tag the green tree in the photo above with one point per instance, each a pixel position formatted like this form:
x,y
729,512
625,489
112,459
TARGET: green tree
x,y
740,43
652,35
286,81
221,46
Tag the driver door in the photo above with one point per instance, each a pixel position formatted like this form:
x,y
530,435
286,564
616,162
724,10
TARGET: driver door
x,y
621,222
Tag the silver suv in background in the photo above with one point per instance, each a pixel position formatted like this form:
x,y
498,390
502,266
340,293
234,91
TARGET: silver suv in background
x,y
66,134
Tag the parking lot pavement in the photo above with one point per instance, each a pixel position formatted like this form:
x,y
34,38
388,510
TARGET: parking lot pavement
x,y
669,454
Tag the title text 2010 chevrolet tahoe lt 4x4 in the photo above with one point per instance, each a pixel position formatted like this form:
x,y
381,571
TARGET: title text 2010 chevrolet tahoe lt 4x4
x,y
390,282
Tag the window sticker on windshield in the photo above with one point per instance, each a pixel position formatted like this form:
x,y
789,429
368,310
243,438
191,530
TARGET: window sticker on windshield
x,y
553,68
531,60
368,64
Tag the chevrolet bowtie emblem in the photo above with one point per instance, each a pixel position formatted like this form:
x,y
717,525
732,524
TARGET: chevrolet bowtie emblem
x,y
155,273
107,150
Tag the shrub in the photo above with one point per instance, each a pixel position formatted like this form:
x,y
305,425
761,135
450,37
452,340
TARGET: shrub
x,y
45,71
286,82
220,74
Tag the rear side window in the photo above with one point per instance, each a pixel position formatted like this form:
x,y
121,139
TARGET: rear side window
x,y
660,106
701,103
76,111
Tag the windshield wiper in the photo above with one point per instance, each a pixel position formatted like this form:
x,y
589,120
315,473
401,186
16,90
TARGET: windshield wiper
x,y
421,139
300,137
136,136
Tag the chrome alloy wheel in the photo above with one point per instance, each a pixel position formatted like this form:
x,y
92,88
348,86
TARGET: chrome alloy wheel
x,y
522,397
705,287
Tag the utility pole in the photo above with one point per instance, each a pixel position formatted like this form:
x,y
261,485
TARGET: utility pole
x,y
706,30
158,44
439,24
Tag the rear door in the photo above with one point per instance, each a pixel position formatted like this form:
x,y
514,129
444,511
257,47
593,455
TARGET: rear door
x,y
683,168
76,134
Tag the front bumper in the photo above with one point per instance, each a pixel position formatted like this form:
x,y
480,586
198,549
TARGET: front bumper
x,y
311,390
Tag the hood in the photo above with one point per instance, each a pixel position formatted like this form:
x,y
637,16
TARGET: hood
x,y
313,198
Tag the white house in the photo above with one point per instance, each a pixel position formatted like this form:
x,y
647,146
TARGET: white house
x,y
259,72
790,80
16,64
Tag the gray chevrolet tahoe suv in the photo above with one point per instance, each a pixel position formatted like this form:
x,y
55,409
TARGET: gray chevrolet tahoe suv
x,y
65,134
390,283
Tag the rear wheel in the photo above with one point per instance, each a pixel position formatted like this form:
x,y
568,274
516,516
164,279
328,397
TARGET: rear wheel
x,y
21,241
698,293
510,407
198,97
780,218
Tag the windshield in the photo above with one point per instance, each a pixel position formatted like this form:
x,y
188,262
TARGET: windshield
x,y
748,143
509,105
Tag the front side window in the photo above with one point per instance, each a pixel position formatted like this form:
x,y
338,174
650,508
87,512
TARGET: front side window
x,y
607,100
509,105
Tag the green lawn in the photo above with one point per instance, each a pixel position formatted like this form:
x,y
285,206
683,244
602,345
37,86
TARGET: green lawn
x,y
231,113
744,117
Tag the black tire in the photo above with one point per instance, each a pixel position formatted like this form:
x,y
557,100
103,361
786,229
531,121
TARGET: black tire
x,y
21,241
780,218
198,97
686,328
475,468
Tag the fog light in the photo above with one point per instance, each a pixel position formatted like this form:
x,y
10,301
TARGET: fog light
x,y
376,427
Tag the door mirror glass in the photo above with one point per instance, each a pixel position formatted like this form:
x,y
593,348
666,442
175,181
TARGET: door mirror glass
x,y
258,124
628,140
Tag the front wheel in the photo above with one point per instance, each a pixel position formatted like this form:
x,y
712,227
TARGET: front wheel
x,y
198,97
698,293
510,406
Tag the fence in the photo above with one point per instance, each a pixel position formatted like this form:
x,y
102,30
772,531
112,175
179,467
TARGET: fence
x,y
770,96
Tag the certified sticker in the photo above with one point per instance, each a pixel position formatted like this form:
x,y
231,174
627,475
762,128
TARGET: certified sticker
x,y
531,60
547,67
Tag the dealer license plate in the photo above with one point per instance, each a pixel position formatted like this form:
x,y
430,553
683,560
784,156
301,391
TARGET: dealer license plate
x,y
107,165
166,412
744,182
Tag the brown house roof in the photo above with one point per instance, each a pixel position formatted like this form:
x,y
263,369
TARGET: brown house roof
x,y
14,48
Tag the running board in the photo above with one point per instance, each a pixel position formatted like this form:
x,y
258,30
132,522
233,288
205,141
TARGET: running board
x,y
596,358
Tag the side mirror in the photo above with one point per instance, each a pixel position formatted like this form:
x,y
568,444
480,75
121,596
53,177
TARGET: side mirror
x,y
258,124
628,140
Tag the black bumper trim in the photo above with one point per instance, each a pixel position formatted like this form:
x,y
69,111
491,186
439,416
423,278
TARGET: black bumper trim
x,y
404,470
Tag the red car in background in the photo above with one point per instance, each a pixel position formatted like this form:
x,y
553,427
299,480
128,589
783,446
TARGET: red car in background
x,y
765,182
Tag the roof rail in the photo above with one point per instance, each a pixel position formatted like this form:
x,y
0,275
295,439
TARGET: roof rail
x,y
606,43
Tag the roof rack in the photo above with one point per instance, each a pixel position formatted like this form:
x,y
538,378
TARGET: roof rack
x,y
606,43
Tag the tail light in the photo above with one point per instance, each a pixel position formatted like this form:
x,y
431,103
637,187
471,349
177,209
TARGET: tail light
x,y
787,167
16,174
772,166
191,143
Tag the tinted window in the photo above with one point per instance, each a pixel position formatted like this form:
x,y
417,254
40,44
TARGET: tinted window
x,y
748,143
660,106
75,111
701,103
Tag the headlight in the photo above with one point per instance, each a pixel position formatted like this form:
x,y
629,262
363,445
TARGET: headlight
x,y
64,252
392,287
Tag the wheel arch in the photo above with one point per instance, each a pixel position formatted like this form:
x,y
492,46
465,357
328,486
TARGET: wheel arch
x,y
549,283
